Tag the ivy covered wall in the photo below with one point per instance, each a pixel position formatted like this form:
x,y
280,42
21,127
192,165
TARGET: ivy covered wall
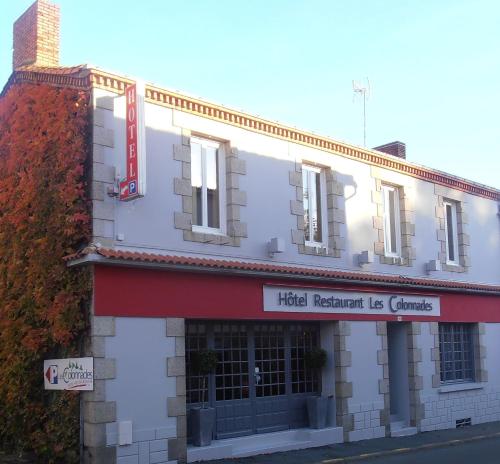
x,y
44,216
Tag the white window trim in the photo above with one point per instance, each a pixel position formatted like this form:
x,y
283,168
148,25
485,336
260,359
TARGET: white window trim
x,y
323,211
387,221
453,206
221,158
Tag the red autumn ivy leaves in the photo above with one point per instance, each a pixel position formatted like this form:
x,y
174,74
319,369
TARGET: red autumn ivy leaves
x,y
44,216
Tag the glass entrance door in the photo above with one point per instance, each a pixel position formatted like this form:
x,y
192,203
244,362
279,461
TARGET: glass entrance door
x,y
260,383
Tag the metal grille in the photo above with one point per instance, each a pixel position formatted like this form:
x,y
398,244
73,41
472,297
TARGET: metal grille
x,y
231,376
456,352
196,340
302,339
269,360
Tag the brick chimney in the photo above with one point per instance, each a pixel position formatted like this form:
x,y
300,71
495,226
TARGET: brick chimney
x,y
397,149
36,36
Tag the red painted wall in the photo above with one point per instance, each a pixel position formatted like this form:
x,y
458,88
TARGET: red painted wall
x,y
122,291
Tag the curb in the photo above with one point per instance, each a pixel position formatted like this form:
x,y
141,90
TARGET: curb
x,y
378,454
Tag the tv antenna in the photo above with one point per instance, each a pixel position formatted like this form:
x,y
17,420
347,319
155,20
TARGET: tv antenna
x,y
364,90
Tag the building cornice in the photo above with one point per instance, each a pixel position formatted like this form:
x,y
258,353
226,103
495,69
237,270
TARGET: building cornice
x,y
87,78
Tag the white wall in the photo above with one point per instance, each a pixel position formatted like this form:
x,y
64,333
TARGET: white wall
x,y
148,222
364,373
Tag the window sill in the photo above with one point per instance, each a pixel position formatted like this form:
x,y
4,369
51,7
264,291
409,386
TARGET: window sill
x,y
207,230
456,387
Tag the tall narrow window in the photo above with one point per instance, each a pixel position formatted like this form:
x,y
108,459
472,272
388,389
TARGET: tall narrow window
x,y
392,227
450,218
313,188
206,183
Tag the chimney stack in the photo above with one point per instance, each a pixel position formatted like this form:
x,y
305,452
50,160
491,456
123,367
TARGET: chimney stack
x,y
36,36
397,149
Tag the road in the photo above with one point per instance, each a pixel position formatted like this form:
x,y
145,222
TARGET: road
x,y
485,451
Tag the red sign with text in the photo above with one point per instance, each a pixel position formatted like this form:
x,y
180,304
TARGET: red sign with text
x,y
130,188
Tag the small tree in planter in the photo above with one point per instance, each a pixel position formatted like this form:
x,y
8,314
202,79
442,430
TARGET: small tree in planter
x,y
202,419
317,406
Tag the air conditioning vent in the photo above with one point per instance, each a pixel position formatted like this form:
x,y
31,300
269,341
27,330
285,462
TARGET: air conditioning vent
x,y
462,422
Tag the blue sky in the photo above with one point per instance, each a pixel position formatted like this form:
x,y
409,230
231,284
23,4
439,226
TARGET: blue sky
x,y
434,66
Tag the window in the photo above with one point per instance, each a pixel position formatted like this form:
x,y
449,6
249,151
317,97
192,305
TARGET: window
x,y
392,226
456,352
450,220
206,176
313,184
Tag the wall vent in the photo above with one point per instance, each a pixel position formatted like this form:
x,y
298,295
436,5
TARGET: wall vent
x,y
459,423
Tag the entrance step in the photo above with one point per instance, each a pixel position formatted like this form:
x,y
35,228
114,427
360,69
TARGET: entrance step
x,y
400,429
265,443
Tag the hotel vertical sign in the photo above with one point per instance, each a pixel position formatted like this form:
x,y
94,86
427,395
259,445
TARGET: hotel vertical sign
x,y
134,185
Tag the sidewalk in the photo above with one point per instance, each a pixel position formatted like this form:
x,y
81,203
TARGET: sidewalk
x,y
361,450
357,451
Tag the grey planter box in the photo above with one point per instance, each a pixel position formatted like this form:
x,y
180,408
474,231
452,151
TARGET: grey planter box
x,y
317,409
202,425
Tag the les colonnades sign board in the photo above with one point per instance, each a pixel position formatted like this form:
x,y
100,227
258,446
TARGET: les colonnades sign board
x,y
318,300
75,374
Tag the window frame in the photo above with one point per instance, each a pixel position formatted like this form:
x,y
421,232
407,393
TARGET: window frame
x,y
457,328
221,170
454,219
322,209
386,188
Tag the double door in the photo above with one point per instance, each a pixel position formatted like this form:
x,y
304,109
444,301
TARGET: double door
x,y
260,383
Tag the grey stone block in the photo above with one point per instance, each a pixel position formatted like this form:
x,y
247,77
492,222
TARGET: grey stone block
x,y
145,435
97,191
180,385
176,366
103,173
97,347
103,210
134,459
158,457
236,197
144,452
103,326
182,153
103,228
296,207
105,102
180,348
165,432
99,116
158,445
99,455
98,394
183,221
103,136
94,434
181,426
183,187
98,412
104,368
236,165
176,406
177,449
295,178
175,327
127,450
298,237
237,229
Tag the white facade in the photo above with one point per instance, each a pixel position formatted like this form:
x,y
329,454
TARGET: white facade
x,y
261,198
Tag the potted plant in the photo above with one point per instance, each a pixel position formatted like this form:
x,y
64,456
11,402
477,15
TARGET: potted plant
x,y
317,406
203,418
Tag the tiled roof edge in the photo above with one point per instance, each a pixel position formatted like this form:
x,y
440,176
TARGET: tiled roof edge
x,y
112,256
